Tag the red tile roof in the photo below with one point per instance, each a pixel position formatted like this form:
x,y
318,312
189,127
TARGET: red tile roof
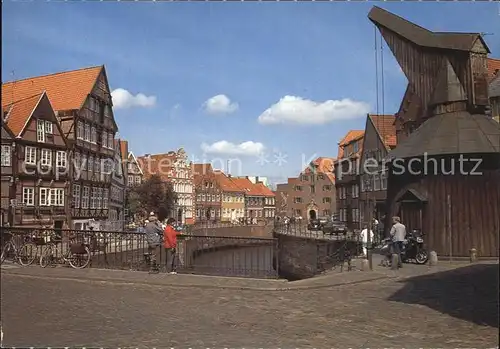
x,y
386,128
265,191
322,165
493,67
158,164
248,187
20,111
66,90
202,172
226,184
351,136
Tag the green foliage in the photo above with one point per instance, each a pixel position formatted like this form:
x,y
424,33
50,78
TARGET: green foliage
x,y
153,195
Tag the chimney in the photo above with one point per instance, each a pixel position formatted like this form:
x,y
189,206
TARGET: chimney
x,y
147,155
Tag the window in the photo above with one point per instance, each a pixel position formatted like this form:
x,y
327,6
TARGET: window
x,y
107,110
327,187
383,180
321,176
97,165
298,212
313,189
110,140
48,127
44,196
355,191
130,180
79,130
297,200
298,188
93,197
30,155
85,162
105,196
376,182
137,180
61,159
46,157
28,196
355,147
40,131
93,135
104,140
76,196
98,203
85,197
56,197
327,213
6,155
305,178
86,135
326,200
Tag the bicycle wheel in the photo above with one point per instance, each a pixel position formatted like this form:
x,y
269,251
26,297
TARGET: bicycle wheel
x,y
79,260
47,257
27,254
7,250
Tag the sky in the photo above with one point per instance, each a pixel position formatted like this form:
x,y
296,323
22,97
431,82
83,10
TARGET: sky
x,y
268,86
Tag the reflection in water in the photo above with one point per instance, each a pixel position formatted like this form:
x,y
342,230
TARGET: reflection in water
x,y
251,261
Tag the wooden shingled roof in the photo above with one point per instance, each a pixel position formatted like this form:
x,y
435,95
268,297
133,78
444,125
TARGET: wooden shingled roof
x,y
421,36
451,133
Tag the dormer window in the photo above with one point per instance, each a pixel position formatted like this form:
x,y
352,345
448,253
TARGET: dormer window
x,y
355,147
40,131
48,127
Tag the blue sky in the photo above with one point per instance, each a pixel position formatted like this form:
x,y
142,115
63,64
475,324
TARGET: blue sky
x,y
182,54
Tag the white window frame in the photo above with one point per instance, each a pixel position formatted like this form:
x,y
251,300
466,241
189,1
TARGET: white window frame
x,y
86,133
6,155
93,135
40,131
61,159
104,139
46,157
376,182
29,196
49,127
76,195
80,130
110,140
30,155
44,197
105,198
57,197
93,197
383,180
85,197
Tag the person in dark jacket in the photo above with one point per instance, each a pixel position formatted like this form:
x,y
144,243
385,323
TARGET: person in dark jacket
x,y
154,234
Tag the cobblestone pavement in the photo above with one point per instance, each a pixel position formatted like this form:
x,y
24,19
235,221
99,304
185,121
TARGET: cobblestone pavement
x,y
51,312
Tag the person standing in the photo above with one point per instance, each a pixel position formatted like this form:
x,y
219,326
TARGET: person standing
x,y
170,244
154,234
364,238
398,235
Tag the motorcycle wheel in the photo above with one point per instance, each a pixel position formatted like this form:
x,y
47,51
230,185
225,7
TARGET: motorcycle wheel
x,y
422,257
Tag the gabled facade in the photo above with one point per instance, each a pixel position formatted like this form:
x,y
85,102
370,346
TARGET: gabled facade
x,y
135,175
254,199
82,103
173,167
311,195
40,165
232,200
347,180
208,194
379,139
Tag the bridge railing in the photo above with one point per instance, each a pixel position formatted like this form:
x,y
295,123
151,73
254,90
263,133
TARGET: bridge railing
x,y
196,254
302,229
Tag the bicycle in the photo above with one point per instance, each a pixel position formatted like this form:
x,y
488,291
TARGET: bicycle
x,y
22,254
78,255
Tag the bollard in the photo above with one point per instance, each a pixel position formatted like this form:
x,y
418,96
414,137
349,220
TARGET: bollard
x,y
433,258
365,265
394,261
473,255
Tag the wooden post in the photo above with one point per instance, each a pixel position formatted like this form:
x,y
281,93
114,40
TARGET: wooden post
x,y
369,255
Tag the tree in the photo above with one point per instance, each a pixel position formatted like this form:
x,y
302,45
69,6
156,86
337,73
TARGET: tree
x,y
153,195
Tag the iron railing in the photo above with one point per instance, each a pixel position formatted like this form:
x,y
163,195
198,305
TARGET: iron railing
x,y
301,228
195,254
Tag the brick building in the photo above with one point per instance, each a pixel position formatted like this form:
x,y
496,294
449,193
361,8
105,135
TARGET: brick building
x,y
311,194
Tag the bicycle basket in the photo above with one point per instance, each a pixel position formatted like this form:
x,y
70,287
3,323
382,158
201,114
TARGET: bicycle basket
x,y
77,248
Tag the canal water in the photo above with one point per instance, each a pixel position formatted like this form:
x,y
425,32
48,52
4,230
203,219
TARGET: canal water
x,y
248,261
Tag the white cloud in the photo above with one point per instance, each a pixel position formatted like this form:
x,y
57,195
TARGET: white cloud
x,y
220,104
297,110
227,148
123,99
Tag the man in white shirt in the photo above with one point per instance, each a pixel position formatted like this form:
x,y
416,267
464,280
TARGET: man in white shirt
x,y
364,238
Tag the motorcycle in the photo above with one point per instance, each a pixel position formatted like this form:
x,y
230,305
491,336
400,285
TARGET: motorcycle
x,y
413,248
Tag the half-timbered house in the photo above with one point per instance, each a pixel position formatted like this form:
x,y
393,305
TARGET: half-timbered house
x,y
82,102
444,178
379,139
7,177
135,175
116,219
40,163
